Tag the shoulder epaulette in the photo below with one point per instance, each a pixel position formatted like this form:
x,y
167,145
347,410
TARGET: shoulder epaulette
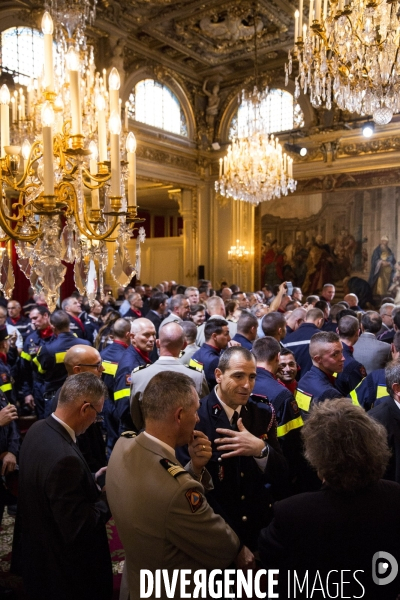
x,y
195,365
172,468
140,367
128,434
259,398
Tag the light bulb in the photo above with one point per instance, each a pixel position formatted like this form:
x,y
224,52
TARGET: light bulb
x,y
26,149
93,150
114,123
47,23
58,103
131,143
4,95
47,115
114,81
72,59
100,102
296,14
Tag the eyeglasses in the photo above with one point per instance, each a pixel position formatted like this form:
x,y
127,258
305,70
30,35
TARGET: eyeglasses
x,y
96,366
99,417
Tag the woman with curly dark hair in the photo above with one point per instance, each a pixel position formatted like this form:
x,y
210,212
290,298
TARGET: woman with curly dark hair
x,y
330,538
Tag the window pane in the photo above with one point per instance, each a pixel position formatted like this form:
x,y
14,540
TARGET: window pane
x,y
276,114
154,104
22,51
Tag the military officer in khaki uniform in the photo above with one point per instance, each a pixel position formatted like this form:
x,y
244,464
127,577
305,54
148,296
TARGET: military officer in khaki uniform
x,y
171,342
161,513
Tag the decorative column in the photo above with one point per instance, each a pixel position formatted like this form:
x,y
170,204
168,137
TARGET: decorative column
x,y
187,200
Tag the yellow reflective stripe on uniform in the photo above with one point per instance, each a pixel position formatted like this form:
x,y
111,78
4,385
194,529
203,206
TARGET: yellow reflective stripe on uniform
x,y
289,426
125,393
381,391
354,399
303,400
26,356
110,368
334,375
60,357
7,387
39,366
196,364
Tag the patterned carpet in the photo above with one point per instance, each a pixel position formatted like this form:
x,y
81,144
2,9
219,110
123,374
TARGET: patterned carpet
x,y
14,582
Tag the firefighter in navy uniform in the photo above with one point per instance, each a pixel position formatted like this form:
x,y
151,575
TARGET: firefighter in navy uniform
x,y
111,356
7,355
217,338
319,383
50,357
32,385
73,308
23,324
353,371
247,466
137,355
289,420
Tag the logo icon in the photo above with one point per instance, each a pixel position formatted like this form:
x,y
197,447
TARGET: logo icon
x,y
384,568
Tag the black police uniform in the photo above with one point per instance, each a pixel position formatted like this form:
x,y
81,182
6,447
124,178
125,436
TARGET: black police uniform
x,y
298,342
353,372
243,493
243,341
111,356
208,356
315,386
130,360
33,382
372,390
50,363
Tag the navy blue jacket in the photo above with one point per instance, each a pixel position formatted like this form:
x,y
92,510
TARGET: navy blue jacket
x,y
298,342
131,359
241,492
208,356
23,325
330,326
243,341
91,329
111,356
50,360
75,328
372,390
317,386
353,372
33,382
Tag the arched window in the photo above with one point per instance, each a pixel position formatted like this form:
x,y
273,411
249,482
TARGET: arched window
x,y
22,52
278,113
153,103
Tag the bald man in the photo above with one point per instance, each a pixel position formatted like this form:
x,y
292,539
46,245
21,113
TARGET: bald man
x,y
171,342
136,356
81,359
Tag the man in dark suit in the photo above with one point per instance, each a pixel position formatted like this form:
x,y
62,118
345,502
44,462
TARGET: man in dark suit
x,y
333,535
61,510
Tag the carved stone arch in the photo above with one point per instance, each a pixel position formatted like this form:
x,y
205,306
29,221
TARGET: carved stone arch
x,y
20,18
169,80
231,106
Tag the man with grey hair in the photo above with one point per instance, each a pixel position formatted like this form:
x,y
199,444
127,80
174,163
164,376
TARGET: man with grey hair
x,y
135,306
388,414
73,308
387,312
170,344
179,306
61,510
216,310
135,357
192,294
179,529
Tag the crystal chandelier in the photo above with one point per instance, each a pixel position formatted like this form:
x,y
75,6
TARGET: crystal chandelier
x,y
62,175
255,168
238,254
349,51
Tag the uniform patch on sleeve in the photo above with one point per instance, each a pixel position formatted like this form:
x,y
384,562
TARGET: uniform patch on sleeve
x,y
128,379
195,499
295,406
172,468
196,365
363,372
4,377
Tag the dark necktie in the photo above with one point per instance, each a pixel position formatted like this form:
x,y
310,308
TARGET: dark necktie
x,y
234,421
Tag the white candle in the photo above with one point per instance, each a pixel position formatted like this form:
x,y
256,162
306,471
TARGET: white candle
x,y
101,128
310,16
115,130
131,151
341,5
47,28
317,10
296,25
25,151
73,67
47,132
220,168
126,116
5,118
325,10
93,171
13,110
114,84
300,16
29,98
304,31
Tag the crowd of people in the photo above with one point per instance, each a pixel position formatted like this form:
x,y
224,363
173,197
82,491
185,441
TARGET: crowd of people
x,y
217,427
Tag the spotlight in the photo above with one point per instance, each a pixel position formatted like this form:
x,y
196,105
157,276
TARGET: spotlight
x,y
368,129
296,149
